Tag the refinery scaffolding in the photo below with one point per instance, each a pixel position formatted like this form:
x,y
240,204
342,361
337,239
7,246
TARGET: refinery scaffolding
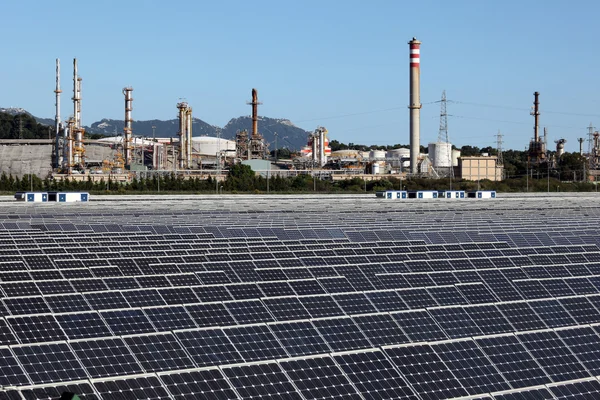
x,y
185,135
78,131
253,146
537,147
58,150
128,128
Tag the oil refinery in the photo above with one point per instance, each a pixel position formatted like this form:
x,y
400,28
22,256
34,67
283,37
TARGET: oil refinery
x,y
123,157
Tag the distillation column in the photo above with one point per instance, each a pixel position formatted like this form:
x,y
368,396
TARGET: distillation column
x,y
415,103
58,148
77,130
182,107
128,128
188,139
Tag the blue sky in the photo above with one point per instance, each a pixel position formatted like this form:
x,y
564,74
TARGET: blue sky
x,y
343,65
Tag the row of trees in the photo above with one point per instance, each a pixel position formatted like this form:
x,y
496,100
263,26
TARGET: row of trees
x,y
22,126
242,179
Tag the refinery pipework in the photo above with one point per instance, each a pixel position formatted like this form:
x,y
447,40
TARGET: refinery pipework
x,y
57,122
189,122
415,103
77,149
128,128
185,135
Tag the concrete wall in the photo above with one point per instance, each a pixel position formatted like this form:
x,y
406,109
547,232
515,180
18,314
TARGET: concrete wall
x,y
21,160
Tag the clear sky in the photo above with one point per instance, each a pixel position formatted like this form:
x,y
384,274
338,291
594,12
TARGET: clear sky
x,y
340,64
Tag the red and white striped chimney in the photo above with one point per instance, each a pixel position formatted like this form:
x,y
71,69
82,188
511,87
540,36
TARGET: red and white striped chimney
x,y
415,103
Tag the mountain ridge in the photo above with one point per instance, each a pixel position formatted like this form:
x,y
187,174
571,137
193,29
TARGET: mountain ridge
x,y
289,135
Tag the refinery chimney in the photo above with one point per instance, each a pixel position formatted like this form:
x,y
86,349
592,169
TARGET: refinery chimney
x,y
57,91
414,103
128,128
536,117
254,105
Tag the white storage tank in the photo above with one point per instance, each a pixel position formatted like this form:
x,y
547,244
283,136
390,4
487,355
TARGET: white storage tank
x,y
345,154
377,155
209,146
376,169
455,157
364,154
395,156
440,154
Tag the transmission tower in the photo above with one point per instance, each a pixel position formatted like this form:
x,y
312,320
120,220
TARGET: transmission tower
x,y
590,139
499,142
443,133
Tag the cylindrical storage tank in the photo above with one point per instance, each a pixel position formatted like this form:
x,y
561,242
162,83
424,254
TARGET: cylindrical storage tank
x,y
345,154
364,154
376,169
377,155
209,146
440,154
455,157
395,156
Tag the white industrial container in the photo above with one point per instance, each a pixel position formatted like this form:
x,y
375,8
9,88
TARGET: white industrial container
x,y
455,157
34,197
364,155
377,155
453,194
395,194
440,154
486,194
43,197
376,169
395,156
209,146
427,194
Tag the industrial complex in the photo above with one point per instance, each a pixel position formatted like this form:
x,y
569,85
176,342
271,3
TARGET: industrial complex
x,y
122,157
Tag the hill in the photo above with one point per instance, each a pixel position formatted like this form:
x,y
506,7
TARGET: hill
x,y
290,136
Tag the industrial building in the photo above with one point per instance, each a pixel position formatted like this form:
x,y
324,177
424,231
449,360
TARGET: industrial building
x,y
476,168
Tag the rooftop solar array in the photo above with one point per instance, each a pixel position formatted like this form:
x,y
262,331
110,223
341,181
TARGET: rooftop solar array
x,y
300,297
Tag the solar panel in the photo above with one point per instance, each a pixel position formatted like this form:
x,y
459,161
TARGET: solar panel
x,y
513,360
255,342
196,341
299,338
106,357
425,371
261,381
553,355
471,367
207,383
319,378
159,352
374,375
146,387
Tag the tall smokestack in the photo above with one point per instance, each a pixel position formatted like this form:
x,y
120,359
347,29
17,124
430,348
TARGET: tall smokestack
x,y
57,91
128,128
536,117
415,103
254,112
580,140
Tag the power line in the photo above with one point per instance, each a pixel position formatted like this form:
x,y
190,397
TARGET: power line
x,y
521,108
